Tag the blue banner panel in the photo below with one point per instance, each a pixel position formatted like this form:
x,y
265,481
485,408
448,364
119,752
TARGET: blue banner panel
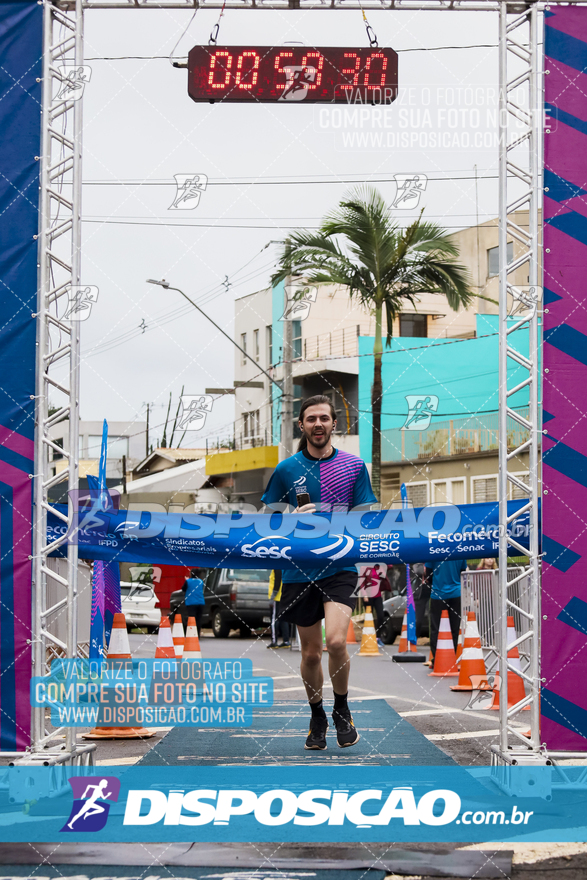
x,y
282,804
262,540
21,30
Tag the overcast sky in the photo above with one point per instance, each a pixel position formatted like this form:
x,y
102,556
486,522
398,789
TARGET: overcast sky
x,y
140,126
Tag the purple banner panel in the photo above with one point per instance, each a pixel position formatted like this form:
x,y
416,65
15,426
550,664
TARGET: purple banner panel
x,y
564,506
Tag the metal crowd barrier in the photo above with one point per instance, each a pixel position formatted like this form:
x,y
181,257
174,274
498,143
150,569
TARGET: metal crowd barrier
x,y
479,593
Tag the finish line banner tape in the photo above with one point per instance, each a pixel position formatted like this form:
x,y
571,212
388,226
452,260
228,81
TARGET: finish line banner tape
x,y
367,804
159,692
322,540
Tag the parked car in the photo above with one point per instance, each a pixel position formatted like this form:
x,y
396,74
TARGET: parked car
x,y
394,606
235,598
139,605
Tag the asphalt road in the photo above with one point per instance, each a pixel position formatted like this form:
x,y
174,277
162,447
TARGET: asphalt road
x,y
427,703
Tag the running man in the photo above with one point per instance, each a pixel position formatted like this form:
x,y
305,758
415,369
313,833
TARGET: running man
x,y
320,474
90,807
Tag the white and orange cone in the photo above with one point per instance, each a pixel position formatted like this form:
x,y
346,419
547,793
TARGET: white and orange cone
x,y
516,689
472,661
165,647
192,650
460,641
407,653
118,649
369,647
445,663
178,636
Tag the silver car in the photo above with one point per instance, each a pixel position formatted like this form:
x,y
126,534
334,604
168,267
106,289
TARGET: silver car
x,y
139,603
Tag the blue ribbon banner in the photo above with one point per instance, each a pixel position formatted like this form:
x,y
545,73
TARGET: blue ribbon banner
x,y
366,804
290,540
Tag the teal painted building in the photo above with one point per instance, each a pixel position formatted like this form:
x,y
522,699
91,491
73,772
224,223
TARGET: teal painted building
x,y
437,384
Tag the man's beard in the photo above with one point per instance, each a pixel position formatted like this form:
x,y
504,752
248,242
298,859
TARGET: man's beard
x,y
319,441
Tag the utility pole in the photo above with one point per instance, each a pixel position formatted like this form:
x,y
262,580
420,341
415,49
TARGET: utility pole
x,y
286,447
147,435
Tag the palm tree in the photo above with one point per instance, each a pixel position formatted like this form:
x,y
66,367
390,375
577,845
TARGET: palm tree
x,y
359,245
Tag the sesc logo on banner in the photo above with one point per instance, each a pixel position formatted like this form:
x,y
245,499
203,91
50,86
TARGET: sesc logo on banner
x,y
90,802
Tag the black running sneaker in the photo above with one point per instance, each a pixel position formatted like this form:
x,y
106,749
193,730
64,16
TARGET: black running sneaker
x,y
346,732
317,734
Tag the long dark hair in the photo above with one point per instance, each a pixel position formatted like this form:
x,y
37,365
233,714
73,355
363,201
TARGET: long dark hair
x,y
316,400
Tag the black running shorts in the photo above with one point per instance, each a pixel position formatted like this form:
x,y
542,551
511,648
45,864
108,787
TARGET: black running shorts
x,y
303,603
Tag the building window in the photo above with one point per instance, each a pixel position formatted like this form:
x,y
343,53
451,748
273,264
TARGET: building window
x,y
269,334
413,325
117,446
448,491
484,489
244,348
493,259
256,344
251,425
516,491
417,494
296,340
58,455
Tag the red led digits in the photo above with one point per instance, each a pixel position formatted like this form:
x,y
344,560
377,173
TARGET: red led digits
x,y
354,70
277,65
318,67
213,58
368,70
254,70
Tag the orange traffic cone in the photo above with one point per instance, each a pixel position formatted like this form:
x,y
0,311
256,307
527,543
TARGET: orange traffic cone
x,y
516,689
369,646
118,649
192,650
445,663
351,638
460,641
472,662
407,653
165,647
178,636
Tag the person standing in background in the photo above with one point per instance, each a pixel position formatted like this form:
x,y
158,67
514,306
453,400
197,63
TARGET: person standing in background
x,y
445,596
194,596
278,626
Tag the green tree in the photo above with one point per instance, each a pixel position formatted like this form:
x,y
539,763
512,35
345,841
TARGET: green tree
x,y
361,246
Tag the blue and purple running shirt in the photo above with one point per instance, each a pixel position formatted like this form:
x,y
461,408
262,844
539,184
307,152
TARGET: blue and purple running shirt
x,y
340,479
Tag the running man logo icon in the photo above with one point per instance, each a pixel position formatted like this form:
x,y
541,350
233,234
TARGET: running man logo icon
x,y
299,299
194,411
189,190
73,81
421,408
369,579
90,805
81,299
409,190
298,80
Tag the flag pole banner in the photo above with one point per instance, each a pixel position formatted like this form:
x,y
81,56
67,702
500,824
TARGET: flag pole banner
x,y
564,579
21,26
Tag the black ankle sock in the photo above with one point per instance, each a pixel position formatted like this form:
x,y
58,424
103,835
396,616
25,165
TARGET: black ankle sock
x,y
340,701
317,710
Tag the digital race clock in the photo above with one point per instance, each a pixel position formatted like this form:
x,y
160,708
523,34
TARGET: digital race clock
x,y
292,73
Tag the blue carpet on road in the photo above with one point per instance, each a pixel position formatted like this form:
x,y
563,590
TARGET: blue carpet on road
x,y
277,736
177,872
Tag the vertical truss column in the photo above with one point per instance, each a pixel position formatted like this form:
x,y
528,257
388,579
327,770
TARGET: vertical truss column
x,y
519,190
57,348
